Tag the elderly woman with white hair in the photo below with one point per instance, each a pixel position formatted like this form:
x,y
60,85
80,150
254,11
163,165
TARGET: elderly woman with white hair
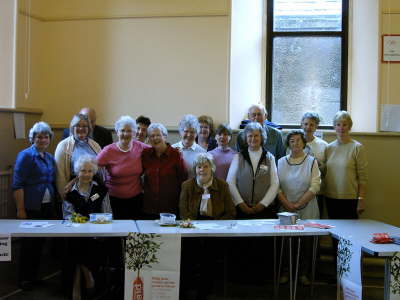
x,y
188,129
346,172
205,196
70,149
123,163
85,197
252,176
164,171
34,192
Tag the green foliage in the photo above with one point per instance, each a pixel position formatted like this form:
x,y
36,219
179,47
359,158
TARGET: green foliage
x,y
395,273
344,257
141,250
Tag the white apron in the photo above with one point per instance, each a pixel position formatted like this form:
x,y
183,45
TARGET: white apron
x,y
295,180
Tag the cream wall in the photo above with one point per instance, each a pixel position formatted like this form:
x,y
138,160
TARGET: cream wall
x,y
146,63
7,50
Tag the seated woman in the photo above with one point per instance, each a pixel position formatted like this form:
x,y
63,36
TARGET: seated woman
x,y
252,177
34,192
70,149
223,155
188,128
205,138
205,196
299,179
85,197
164,171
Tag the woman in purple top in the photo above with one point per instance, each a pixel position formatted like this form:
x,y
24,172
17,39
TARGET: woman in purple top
x,y
223,154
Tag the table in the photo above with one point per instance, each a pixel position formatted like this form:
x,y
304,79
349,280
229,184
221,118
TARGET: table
x,y
244,228
118,228
361,233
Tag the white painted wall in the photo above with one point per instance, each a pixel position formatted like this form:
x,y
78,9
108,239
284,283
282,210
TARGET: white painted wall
x,y
364,65
7,52
246,58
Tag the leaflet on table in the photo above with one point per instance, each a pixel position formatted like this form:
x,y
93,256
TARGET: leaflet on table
x,y
35,224
152,266
349,269
5,247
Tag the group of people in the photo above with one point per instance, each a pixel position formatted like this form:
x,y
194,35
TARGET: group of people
x,y
200,177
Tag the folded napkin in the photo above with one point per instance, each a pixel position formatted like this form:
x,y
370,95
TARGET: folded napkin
x,y
381,238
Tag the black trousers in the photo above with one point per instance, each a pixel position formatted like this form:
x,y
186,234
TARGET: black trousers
x,y
127,209
31,248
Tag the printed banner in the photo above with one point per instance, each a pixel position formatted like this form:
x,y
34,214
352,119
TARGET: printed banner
x,y
395,277
349,269
152,266
5,247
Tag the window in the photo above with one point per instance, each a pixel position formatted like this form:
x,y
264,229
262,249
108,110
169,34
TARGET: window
x,y
306,59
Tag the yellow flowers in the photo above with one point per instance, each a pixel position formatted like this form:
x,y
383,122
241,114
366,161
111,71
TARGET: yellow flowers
x,y
186,224
78,218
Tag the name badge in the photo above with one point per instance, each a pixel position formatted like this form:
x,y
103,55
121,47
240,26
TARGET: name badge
x,y
205,197
94,197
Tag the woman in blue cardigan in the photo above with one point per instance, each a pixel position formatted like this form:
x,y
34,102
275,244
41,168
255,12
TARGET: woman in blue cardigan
x,y
34,194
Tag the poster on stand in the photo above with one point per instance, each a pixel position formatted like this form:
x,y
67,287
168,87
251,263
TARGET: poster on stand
x,y
349,269
152,266
5,247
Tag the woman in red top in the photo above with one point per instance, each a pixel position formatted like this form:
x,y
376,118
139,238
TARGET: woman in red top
x,y
124,168
164,172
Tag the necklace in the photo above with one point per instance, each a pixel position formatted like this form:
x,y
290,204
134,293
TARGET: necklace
x,y
129,148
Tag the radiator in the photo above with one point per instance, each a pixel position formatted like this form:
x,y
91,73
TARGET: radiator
x,y
6,202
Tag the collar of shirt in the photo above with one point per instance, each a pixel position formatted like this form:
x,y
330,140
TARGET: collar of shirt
x,y
213,186
37,153
193,147
75,187
167,151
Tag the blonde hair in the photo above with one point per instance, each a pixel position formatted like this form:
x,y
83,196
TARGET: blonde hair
x,y
342,115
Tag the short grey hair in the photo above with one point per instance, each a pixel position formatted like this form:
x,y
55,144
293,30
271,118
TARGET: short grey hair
x,y
189,121
40,127
312,116
260,107
253,126
342,115
76,119
125,120
158,126
83,159
203,158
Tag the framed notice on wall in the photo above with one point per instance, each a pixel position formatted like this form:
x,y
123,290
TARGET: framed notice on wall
x,y
391,48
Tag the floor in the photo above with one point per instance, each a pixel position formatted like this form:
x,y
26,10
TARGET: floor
x,y
325,287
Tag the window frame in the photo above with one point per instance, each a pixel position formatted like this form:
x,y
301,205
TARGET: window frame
x,y
269,55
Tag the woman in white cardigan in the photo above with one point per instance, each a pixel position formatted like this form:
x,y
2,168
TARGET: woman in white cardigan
x,y
69,150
